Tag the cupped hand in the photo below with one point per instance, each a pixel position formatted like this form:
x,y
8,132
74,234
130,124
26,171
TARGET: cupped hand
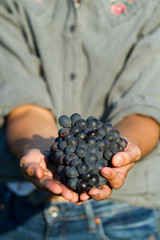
x,y
35,170
122,162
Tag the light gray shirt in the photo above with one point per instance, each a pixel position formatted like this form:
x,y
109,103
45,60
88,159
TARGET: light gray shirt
x,y
102,59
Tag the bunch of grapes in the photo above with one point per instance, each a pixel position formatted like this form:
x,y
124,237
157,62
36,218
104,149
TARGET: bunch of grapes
x,y
82,149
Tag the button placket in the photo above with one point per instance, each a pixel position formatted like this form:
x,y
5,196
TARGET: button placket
x,y
70,58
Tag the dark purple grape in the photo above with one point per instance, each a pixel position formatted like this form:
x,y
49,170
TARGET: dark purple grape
x,y
54,147
123,143
91,166
60,168
99,165
90,118
119,139
60,159
68,136
115,146
94,180
92,123
69,157
82,168
62,145
74,118
72,183
108,154
64,121
108,127
82,145
63,132
58,153
87,130
63,176
72,141
81,152
102,144
105,162
91,133
90,157
91,141
110,137
94,150
100,124
74,130
82,186
121,148
116,133
74,162
71,172
98,137
69,149
81,124
86,176
80,136
100,132
100,155
102,180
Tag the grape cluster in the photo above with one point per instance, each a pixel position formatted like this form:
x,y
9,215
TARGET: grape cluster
x,y
82,149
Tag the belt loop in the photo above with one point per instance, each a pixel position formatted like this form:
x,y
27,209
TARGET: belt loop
x,y
88,209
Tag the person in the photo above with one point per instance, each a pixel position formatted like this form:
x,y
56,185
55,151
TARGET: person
x,y
96,58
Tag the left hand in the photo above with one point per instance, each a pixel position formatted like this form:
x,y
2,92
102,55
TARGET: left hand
x,y
122,162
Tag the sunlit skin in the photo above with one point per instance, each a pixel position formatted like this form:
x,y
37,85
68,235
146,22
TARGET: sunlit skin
x,y
31,130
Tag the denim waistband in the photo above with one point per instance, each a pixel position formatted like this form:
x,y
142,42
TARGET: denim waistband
x,y
107,219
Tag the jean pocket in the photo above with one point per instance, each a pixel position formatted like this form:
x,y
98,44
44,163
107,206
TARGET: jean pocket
x,y
132,224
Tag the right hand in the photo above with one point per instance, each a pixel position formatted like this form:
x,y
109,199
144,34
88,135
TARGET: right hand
x,y
34,168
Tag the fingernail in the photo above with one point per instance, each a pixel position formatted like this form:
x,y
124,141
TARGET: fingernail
x,y
118,161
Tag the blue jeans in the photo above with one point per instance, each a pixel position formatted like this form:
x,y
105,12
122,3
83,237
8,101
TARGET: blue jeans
x,y
23,219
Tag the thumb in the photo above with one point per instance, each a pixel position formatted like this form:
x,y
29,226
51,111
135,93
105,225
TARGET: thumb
x,y
33,170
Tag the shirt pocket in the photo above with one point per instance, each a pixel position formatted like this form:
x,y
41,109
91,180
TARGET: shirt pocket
x,y
118,12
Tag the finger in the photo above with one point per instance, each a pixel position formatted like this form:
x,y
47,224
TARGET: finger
x,y
131,154
84,196
48,184
69,194
116,176
74,199
33,170
100,194
32,167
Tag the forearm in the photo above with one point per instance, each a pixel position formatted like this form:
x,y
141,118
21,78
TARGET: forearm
x,y
30,127
140,130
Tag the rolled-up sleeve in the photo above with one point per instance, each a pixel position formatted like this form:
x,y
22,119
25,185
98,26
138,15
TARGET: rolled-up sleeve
x,y
20,67
137,89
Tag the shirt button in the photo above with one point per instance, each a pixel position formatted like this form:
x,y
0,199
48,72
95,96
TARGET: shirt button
x,y
53,211
72,76
72,28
